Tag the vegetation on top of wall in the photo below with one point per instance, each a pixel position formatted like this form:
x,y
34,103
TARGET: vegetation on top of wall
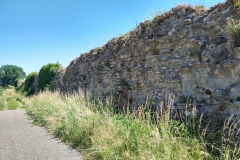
x,y
237,4
28,85
234,31
46,73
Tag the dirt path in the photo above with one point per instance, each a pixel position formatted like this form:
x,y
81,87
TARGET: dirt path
x,y
20,140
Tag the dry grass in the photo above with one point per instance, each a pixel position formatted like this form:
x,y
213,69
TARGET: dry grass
x,y
94,129
10,99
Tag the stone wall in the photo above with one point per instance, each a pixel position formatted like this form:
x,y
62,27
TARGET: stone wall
x,y
185,51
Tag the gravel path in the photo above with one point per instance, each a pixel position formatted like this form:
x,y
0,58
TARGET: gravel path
x,y
20,140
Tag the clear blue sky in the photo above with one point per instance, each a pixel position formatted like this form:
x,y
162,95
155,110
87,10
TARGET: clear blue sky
x,y
36,32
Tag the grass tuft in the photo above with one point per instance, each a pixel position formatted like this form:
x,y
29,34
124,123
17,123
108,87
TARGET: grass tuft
x,y
234,31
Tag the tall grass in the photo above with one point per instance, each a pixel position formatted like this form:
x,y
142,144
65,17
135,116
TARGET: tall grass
x,y
93,128
9,99
12,103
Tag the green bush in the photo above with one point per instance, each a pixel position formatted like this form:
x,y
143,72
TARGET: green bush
x,y
17,82
10,87
28,85
46,73
237,4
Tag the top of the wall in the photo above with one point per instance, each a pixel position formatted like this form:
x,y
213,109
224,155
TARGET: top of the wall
x,y
135,34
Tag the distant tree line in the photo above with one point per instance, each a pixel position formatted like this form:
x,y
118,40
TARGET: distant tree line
x,y
11,75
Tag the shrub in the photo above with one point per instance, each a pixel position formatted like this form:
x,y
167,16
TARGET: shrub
x,y
46,73
237,4
17,82
28,85
10,87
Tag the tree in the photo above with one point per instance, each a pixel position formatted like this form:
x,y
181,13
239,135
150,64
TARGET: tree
x,y
46,73
28,85
9,73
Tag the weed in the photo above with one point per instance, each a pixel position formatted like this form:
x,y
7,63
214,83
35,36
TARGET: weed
x,y
200,9
237,4
234,31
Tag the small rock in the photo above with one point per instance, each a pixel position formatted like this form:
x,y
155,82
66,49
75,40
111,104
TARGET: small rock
x,y
162,33
232,89
188,21
197,74
190,8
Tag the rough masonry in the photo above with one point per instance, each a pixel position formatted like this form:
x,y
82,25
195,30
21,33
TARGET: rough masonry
x,y
186,51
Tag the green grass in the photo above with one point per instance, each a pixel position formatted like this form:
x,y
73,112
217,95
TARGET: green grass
x,y
95,130
12,104
2,106
9,99
234,31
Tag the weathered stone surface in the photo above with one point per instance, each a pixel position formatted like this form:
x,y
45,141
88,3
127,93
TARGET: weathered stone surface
x,y
181,51
188,21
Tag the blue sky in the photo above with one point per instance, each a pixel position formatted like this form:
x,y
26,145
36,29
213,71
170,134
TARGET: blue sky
x,y
37,32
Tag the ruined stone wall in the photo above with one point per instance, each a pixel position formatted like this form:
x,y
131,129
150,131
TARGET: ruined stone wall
x,y
185,51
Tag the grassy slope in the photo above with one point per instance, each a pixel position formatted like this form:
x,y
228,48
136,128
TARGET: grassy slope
x,y
95,130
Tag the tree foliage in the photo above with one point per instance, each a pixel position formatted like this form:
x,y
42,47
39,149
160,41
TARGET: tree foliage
x,y
46,73
28,84
17,82
9,73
